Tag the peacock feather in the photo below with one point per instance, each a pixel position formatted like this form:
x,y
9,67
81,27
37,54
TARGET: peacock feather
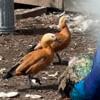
x,y
82,66
78,68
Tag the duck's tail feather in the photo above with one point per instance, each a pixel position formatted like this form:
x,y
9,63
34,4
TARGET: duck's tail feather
x,y
10,73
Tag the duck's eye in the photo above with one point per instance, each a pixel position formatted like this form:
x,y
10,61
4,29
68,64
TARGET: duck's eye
x,y
53,36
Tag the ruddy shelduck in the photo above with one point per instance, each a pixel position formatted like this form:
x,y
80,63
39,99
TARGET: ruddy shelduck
x,y
35,61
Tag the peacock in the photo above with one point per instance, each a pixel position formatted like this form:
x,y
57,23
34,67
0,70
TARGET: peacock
x,y
77,69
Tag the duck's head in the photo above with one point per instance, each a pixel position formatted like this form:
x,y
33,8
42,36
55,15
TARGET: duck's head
x,y
46,40
62,22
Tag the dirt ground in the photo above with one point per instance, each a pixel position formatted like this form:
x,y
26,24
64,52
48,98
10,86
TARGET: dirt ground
x,y
29,31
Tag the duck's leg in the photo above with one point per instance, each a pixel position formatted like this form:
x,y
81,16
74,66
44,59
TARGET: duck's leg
x,y
30,77
60,62
30,83
59,59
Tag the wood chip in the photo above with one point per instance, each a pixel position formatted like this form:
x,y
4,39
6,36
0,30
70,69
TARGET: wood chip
x,y
33,96
8,94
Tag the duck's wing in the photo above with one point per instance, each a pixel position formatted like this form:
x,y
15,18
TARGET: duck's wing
x,y
30,59
40,65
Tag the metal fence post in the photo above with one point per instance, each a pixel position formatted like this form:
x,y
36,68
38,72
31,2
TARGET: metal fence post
x,y
6,15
